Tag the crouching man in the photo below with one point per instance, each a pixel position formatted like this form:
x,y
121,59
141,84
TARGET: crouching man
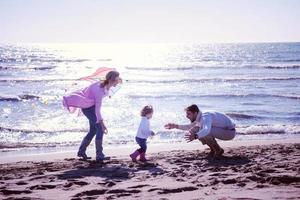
x,y
207,127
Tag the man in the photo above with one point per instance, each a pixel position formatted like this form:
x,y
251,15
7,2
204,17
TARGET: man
x,y
206,127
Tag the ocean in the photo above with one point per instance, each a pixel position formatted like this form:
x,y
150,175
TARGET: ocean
x,y
256,84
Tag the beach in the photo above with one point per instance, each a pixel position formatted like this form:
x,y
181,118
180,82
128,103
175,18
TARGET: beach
x,y
247,170
205,94
39,139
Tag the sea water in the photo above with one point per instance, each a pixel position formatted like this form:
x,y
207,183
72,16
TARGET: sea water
x,y
256,84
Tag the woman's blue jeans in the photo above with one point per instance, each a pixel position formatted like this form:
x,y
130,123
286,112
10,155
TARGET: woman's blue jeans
x,y
95,128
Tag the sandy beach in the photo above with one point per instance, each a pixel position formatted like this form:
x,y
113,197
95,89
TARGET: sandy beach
x,y
251,171
149,79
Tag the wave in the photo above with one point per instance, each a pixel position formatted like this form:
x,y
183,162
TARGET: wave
x,y
288,60
18,97
37,80
245,130
215,96
283,67
33,60
268,129
164,68
216,80
12,146
252,104
41,131
28,68
163,136
295,113
211,67
242,116
202,80
259,129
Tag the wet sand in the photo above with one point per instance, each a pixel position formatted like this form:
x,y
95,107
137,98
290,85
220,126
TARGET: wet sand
x,y
244,172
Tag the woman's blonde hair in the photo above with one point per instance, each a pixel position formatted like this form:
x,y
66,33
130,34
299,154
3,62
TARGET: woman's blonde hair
x,y
112,75
146,110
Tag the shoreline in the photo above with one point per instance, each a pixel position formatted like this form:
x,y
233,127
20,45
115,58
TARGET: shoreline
x,y
124,151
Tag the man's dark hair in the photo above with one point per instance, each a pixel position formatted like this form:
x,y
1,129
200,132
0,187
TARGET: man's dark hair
x,y
193,108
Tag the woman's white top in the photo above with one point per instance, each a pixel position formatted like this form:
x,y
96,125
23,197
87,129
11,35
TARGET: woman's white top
x,y
144,129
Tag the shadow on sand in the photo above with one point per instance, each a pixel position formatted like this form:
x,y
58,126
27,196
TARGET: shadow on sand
x,y
228,161
112,170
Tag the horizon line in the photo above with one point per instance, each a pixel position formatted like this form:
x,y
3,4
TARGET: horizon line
x,y
74,43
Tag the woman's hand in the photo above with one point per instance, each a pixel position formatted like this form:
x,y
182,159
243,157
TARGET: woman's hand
x,y
171,126
104,129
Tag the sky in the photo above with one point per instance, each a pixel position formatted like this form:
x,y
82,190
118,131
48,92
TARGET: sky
x,y
149,21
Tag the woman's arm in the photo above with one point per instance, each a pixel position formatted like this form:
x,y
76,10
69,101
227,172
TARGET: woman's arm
x,y
98,96
98,104
104,129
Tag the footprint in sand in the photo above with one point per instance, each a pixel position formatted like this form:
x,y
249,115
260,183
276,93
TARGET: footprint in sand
x,y
74,183
21,183
11,192
284,179
256,179
229,181
138,186
117,192
80,183
175,190
90,193
186,166
121,191
42,187
70,159
241,184
261,186
108,184
37,173
68,185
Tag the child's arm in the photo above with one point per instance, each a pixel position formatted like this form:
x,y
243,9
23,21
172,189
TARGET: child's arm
x,y
152,133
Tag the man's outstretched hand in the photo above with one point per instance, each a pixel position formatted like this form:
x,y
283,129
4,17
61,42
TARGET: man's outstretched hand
x,y
190,136
171,126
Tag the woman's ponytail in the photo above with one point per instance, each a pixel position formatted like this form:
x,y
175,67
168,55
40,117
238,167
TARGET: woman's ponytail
x,y
112,75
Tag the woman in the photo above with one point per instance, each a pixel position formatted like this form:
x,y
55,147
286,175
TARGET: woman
x,y
89,100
